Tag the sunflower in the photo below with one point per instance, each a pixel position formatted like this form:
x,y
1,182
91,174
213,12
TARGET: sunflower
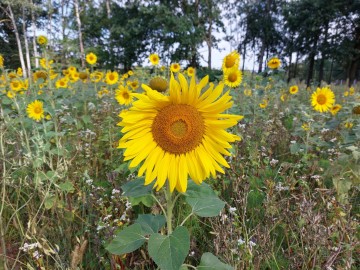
x,y
283,97
231,61
351,91
322,99
248,92
1,61
274,63
190,71
158,84
91,58
293,89
348,124
305,126
96,76
123,95
10,94
154,59
46,64
16,85
232,77
111,77
40,74
35,110
356,109
335,109
19,72
61,83
71,70
264,103
134,84
83,75
42,40
175,67
178,135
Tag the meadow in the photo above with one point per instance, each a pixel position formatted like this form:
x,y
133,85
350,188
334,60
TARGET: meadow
x,y
289,198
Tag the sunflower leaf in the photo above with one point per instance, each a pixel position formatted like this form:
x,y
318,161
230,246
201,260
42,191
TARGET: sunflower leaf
x,y
211,262
169,252
203,200
136,188
127,240
150,223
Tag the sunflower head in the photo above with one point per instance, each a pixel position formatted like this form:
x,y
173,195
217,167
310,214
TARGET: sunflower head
x,y
274,63
91,58
111,77
159,84
83,75
42,40
335,109
323,99
154,59
293,89
190,71
1,61
231,61
175,67
356,110
179,135
232,77
16,85
123,95
248,92
35,110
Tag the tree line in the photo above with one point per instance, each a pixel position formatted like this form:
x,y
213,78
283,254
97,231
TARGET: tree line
x,y
317,40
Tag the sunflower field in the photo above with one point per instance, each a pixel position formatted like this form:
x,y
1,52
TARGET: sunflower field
x,y
162,164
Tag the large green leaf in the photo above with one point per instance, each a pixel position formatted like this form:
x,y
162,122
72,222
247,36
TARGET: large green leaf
x,y
127,240
136,188
203,200
169,252
151,223
211,262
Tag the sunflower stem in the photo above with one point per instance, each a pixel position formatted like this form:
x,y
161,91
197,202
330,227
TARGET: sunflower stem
x,y
169,209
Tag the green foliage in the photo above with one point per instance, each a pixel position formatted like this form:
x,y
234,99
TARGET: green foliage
x,y
211,262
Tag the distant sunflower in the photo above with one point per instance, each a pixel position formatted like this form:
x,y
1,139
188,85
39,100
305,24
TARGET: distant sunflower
x,y
356,110
61,83
190,71
134,84
283,97
323,99
40,74
248,92
231,61
232,77
305,126
35,110
154,59
91,58
178,135
159,84
1,61
96,76
111,77
123,95
16,85
263,104
175,67
10,94
42,40
293,89
274,63
335,109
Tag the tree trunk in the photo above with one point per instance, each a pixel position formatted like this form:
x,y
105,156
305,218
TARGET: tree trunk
x,y
311,62
323,54
289,69
81,43
209,43
17,36
351,74
243,62
261,57
33,26
27,51
296,64
108,8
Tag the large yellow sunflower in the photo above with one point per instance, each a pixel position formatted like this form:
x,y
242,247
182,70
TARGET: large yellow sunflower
x,y
323,99
232,77
35,110
231,61
178,135
175,67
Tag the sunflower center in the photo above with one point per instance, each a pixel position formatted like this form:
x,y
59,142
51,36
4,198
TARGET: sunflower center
x,y
111,77
178,128
321,99
232,77
37,110
126,95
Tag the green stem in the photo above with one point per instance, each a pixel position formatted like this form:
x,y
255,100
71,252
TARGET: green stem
x,y
169,209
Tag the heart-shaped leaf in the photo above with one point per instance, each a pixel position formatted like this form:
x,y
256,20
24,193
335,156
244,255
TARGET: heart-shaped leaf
x,y
150,223
211,262
203,200
136,188
127,240
169,252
